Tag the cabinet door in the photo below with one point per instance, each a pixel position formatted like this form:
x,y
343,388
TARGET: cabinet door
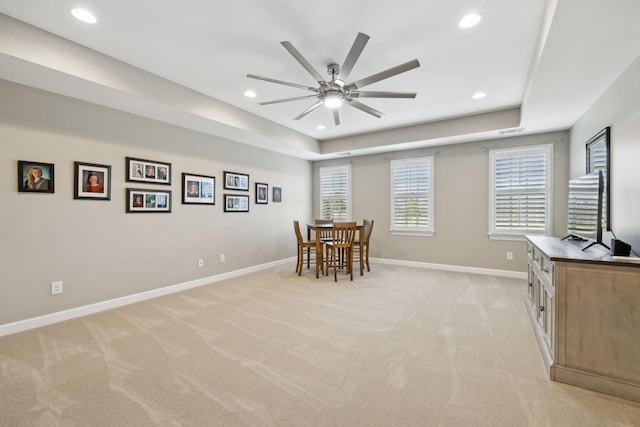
x,y
531,278
548,314
539,294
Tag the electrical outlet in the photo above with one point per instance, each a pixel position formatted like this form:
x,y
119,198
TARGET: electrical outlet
x,y
222,258
56,288
200,262
510,256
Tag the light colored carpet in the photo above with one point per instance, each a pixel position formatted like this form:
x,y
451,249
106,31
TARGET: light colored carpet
x,y
397,347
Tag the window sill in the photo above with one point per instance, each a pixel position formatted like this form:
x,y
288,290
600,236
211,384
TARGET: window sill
x,y
412,233
512,237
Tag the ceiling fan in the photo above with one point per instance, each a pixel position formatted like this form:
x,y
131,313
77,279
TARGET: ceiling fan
x,y
335,91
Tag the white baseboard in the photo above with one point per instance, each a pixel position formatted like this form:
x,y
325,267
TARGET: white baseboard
x,y
48,319
456,268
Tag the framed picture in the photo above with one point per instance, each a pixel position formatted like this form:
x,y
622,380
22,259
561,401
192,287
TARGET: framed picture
x,y
598,158
262,193
236,203
148,201
277,194
198,189
35,177
236,181
91,181
149,171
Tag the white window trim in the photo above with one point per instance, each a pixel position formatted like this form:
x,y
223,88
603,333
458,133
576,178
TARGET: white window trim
x,y
423,231
330,170
547,149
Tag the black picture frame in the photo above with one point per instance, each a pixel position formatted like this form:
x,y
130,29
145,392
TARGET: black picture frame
x,y
262,193
598,157
277,194
148,171
85,172
236,203
141,200
236,181
198,189
28,182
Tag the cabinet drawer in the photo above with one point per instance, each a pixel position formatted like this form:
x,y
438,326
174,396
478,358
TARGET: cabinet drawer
x,y
546,268
530,250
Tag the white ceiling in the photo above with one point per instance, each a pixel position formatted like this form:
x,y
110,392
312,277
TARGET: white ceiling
x,y
542,62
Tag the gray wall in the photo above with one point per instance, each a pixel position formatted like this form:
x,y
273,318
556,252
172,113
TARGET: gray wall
x,y
102,253
461,204
94,247
618,107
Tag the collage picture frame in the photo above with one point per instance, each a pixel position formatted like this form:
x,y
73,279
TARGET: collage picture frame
x,y
148,171
141,200
236,203
198,189
236,181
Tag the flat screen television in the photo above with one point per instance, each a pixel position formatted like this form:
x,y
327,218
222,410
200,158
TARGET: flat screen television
x,y
584,216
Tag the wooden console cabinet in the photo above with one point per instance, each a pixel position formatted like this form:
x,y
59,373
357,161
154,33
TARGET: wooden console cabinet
x,y
585,310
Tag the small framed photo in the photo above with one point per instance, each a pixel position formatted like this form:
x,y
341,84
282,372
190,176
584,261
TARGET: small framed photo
x,y
236,203
198,189
262,193
148,201
149,171
277,194
35,177
91,181
236,181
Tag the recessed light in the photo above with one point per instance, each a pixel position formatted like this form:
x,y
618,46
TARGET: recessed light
x,y
250,94
470,20
479,95
321,127
84,16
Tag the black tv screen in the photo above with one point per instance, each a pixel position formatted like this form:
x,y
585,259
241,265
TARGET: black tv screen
x,y
584,218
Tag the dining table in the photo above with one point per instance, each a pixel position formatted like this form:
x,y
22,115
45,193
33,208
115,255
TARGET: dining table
x,y
316,227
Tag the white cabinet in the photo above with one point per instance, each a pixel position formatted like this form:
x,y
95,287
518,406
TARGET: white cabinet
x,y
540,296
584,309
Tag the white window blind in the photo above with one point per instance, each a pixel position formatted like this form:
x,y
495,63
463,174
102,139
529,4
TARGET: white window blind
x,y
335,193
412,195
520,191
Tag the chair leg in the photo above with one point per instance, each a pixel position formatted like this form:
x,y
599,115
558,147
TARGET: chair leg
x,y
366,251
300,261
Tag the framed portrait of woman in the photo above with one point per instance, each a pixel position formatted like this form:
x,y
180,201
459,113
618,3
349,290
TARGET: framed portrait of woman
x,y
35,177
91,181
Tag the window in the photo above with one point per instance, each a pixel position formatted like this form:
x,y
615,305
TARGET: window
x,y
520,191
335,193
412,196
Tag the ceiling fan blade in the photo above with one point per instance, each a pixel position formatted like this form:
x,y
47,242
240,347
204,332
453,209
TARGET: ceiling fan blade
x,y
375,94
383,75
308,110
336,116
365,108
294,52
267,79
277,101
356,49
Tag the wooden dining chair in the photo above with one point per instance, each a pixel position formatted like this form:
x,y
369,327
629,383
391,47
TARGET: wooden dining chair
x,y
323,234
361,245
339,250
313,247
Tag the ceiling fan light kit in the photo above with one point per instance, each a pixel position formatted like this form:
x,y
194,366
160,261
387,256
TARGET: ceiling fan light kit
x,y
333,93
